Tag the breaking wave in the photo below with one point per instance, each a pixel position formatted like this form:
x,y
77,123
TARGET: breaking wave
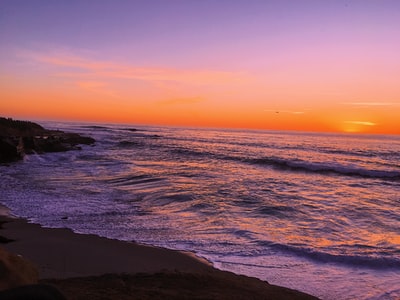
x,y
364,261
317,167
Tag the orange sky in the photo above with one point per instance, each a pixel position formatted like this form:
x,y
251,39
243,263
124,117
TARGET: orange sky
x,y
266,66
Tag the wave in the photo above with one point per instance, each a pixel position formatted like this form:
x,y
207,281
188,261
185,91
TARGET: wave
x,y
192,153
99,127
317,167
129,129
96,127
276,210
129,144
133,180
297,165
372,262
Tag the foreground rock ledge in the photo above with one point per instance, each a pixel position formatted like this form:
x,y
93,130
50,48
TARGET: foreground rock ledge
x,y
18,138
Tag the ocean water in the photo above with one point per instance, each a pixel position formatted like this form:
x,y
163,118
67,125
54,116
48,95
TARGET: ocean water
x,y
315,212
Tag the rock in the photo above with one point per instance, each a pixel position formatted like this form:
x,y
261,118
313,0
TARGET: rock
x,y
15,271
10,127
18,138
76,139
9,150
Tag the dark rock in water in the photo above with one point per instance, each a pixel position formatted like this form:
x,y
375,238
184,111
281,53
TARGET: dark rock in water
x,y
18,138
76,139
9,150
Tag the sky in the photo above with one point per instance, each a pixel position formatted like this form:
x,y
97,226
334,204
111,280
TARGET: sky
x,y
307,65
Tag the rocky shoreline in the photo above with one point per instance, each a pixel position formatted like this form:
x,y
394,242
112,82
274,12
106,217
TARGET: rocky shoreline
x,y
18,138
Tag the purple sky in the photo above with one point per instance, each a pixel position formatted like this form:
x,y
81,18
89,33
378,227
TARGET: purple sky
x,y
313,48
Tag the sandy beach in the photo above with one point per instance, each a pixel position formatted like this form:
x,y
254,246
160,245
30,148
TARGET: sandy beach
x,y
91,267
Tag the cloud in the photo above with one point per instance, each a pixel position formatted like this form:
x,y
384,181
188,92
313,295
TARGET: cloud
x,y
372,103
178,101
70,65
97,88
361,123
90,85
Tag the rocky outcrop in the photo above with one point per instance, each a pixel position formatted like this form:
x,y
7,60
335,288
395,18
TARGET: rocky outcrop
x,y
10,127
8,150
18,138
19,280
15,271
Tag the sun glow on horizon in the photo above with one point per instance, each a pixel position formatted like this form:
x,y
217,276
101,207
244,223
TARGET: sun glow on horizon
x,y
357,126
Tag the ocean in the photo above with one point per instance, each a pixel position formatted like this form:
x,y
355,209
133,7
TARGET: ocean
x,y
314,212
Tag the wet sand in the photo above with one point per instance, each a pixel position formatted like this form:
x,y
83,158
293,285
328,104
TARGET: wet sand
x,y
85,266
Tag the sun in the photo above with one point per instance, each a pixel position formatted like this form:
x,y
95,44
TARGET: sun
x,y
357,126
351,128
